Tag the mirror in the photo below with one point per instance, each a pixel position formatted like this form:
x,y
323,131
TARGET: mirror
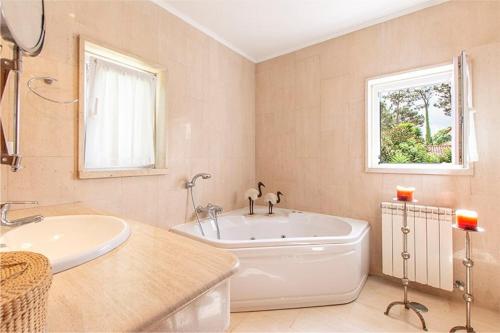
x,y
23,23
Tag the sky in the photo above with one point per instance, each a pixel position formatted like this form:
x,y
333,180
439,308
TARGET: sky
x,y
437,118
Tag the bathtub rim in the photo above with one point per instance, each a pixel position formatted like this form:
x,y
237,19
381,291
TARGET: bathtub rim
x,y
359,228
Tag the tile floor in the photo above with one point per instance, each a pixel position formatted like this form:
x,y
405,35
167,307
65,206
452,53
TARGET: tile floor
x,y
366,315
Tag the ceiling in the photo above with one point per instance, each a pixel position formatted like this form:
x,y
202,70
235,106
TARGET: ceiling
x,y
263,29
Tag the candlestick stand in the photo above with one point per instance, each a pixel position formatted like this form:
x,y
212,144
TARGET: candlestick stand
x,y
414,306
468,263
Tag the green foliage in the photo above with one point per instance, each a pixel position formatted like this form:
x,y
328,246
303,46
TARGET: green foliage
x,y
406,132
404,114
399,107
404,144
443,91
446,156
400,158
425,95
442,136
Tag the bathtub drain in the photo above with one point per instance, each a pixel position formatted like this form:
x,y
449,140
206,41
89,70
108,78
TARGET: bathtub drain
x,y
283,236
252,238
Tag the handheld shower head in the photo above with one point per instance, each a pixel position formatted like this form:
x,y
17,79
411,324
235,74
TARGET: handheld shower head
x,y
190,184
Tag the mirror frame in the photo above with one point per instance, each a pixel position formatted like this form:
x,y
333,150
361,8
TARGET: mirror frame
x,y
7,34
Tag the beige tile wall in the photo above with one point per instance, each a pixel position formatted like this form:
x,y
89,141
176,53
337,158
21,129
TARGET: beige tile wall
x,y
210,114
307,128
310,125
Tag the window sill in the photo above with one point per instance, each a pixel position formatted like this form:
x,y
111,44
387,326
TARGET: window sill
x,y
422,170
90,174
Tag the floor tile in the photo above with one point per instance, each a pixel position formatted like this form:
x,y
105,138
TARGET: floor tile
x,y
366,314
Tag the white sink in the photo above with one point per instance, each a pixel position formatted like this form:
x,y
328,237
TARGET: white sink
x,y
68,241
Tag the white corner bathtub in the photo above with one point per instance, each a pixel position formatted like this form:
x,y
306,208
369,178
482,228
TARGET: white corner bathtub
x,y
290,259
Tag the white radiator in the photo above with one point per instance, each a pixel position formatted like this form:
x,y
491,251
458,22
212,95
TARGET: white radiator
x,y
429,244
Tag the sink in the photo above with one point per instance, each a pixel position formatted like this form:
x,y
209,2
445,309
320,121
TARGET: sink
x,y
68,241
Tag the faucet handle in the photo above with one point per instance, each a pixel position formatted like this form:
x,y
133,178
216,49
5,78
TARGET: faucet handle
x,y
20,202
214,207
7,203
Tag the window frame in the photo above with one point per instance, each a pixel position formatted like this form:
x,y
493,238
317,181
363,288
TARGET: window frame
x,y
409,78
160,130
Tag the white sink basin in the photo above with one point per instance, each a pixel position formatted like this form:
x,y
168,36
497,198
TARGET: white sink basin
x,y
68,241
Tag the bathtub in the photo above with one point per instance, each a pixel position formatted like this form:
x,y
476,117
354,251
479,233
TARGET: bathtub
x,y
289,259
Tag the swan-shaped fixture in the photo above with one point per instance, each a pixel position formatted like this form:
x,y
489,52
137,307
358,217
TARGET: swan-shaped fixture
x,y
252,194
272,199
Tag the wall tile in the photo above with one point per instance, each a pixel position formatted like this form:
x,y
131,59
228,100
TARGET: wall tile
x,y
329,98
210,104
49,180
307,133
307,82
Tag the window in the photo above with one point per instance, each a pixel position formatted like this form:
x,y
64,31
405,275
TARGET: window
x,y
120,114
413,125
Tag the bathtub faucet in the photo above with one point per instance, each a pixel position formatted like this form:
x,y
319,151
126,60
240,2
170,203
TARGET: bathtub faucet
x,y
212,211
190,184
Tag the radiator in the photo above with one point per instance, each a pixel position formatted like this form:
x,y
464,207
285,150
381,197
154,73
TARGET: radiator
x,y
429,243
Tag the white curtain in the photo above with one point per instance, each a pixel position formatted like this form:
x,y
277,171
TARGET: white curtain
x,y
119,116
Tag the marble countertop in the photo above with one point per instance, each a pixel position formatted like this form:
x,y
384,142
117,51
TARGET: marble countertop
x,y
147,278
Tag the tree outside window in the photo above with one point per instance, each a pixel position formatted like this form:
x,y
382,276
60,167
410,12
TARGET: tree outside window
x,y
416,124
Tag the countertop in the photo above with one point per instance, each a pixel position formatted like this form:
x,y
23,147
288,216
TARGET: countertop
x,y
149,277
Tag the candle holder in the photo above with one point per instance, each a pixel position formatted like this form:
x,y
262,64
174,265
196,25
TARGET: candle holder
x,y
468,263
414,306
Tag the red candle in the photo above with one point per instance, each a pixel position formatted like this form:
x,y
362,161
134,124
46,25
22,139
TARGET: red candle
x,y
405,193
466,219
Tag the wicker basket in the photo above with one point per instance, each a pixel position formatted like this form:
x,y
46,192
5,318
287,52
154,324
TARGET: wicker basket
x,y
25,279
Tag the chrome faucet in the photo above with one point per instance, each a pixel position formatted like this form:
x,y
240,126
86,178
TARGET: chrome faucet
x,y
4,209
212,211
190,185
192,182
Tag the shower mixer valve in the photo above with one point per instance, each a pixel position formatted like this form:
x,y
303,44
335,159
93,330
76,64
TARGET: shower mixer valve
x,y
211,210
